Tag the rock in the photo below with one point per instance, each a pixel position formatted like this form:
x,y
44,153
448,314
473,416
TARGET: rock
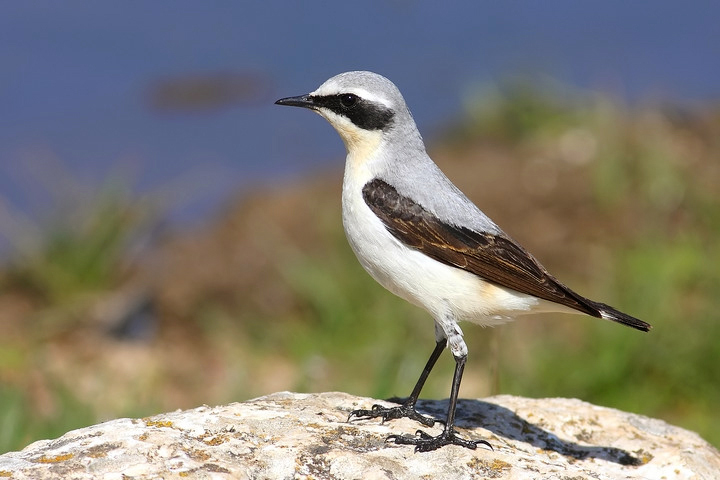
x,y
291,435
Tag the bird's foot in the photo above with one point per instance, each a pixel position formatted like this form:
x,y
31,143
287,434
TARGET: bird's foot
x,y
392,413
426,443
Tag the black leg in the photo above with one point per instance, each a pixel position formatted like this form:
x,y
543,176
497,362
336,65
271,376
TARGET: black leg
x,y
424,442
407,409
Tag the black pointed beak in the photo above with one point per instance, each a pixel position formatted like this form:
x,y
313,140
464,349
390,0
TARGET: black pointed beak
x,y
305,101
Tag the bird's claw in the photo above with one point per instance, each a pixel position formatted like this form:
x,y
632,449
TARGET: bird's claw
x,y
425,443
391,413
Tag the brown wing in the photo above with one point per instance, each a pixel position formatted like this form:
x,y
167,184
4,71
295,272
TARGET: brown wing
x,y
494,258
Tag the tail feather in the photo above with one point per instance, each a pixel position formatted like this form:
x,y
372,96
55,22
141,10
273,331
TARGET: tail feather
x,y
609,313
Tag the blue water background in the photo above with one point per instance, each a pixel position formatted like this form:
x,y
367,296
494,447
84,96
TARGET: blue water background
x,y
75,77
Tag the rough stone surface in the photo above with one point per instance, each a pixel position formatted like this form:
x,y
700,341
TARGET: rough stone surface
x,y
289,435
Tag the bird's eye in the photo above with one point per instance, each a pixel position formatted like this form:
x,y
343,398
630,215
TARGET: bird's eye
x,y
347,100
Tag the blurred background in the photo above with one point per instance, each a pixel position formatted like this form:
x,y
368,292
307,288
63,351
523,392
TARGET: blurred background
x,y
170,238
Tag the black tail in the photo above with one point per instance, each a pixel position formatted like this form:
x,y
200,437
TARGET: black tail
x,y
609,313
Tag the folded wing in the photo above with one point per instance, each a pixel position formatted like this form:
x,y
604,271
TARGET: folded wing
x,y
495,258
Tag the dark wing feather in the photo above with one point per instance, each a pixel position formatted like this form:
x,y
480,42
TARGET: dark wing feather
x,y
494,258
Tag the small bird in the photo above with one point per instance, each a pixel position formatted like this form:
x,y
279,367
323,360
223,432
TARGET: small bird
x,y
422,239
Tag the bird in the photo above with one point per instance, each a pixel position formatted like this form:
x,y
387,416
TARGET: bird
x,y
422,239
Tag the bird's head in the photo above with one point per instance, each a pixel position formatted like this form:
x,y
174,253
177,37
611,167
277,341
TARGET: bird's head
x,y
363,107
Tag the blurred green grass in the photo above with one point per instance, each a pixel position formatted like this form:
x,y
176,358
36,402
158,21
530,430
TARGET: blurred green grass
x,y
277,301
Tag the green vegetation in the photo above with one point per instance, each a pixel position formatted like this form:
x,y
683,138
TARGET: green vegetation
x,y
82,249
260,303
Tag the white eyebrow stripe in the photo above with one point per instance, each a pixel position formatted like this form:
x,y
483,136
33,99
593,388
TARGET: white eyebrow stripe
x,y
360,92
